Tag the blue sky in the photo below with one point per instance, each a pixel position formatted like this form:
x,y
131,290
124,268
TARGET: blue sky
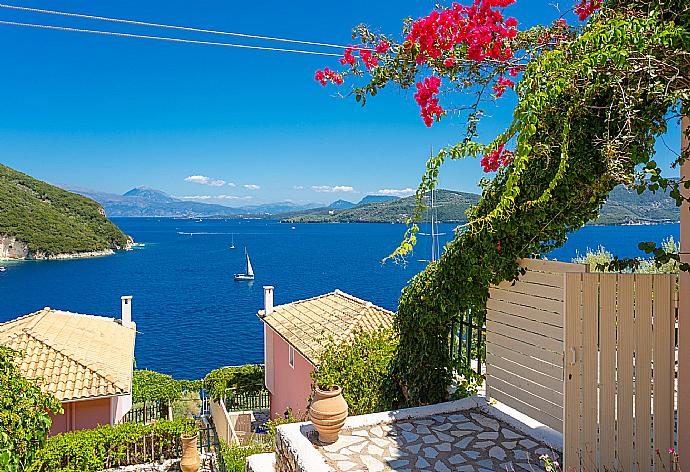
x,y
112,113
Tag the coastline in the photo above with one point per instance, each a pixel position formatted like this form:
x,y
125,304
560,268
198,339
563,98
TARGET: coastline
x,y
14,250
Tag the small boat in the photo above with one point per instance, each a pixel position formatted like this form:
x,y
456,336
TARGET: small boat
x,y
249,274
2,269
232,244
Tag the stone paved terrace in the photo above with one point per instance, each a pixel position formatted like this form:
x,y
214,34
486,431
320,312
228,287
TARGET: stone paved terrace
x,y
466,442
470,436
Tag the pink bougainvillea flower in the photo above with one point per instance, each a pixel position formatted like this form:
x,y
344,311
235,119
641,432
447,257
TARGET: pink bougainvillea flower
x,y
501,85
368,58
496,159
585,8
449,62
426,99
382,47
348,58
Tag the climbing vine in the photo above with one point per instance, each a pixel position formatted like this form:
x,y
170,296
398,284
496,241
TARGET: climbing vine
x,y
592,101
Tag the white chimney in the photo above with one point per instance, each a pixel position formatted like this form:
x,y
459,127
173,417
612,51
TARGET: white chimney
x,y
268,299
127,311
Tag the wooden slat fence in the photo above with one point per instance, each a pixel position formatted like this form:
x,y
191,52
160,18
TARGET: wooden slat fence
x,y
525,341
620,348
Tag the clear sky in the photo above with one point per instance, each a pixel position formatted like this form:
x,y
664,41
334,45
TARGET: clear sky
x,y
113,113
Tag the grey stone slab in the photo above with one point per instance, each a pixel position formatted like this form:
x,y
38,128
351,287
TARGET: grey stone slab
x,y
509,444
488,435
443,447
430,439
457,418
441,467
377,431
405,426
457,459
510,434
422,429
445,437
415,448
463,443
474,455
430,453
442,427
528,444
483,444
409,437
421,463
497,453
470,426
507,466
459,434
396,464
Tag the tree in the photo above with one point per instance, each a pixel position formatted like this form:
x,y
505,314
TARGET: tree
x,y
592,100
24,414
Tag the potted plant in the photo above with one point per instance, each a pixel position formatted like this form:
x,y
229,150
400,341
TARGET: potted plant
x,y
328,411
190,461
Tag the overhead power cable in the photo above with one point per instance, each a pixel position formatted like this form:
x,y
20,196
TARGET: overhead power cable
x,y
164,38
160,25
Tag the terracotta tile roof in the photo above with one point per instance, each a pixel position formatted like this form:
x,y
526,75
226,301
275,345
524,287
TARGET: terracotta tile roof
x,y
308,324
75,356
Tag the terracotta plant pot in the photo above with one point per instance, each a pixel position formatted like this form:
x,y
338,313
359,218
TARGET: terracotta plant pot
x,y
328,412
190,455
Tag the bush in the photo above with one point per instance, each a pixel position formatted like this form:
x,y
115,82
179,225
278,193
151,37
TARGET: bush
x,y
235,457
361,366
601,259
24,418
148,386
91,450
244,379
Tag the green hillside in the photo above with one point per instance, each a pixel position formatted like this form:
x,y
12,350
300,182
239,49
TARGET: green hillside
x,y
51,220
451,207
623,207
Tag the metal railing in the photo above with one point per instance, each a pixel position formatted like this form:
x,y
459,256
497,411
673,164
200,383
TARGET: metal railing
x,y
259,401
143,414
467,342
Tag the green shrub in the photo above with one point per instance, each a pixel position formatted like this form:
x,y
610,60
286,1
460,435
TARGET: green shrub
x,y
148,385
91,450
244,379
235,457
362,368
24,418
601,259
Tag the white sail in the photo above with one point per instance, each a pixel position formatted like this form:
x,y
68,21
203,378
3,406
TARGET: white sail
x,y
249,267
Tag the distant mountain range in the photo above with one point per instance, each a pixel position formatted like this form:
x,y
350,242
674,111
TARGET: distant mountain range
x,y
144,201
623,207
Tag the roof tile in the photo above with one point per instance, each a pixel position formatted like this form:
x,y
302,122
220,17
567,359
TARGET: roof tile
x,y
308,324
75,356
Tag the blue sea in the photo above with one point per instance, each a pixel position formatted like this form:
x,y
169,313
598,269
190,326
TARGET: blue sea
x,y
192,317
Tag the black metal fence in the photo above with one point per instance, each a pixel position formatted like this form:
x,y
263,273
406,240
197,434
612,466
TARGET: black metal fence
x,y
144,414
235,401
467,346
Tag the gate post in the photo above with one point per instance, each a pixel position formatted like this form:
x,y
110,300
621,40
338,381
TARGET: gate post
x,y
684,317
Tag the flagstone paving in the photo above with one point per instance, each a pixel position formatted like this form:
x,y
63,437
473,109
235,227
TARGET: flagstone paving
x,y
470,441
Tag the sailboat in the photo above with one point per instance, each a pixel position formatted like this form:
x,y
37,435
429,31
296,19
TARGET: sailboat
x,y
249,274
232,244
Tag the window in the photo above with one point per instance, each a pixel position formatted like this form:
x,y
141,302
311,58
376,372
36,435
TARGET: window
x,y
291,356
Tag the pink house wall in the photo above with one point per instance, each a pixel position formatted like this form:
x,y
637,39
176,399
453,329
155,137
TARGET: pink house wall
x,y
290,387
87,414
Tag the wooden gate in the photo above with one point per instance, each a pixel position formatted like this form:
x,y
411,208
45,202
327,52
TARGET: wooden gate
x,y
524,341
620,357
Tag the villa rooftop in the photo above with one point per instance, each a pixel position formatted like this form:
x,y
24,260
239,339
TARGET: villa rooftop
x,y
308,324
75,356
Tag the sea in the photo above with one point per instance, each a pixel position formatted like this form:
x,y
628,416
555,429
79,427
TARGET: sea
x,y
192,317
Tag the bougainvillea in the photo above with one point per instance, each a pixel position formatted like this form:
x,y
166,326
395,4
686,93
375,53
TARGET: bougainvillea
x,y
592,100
